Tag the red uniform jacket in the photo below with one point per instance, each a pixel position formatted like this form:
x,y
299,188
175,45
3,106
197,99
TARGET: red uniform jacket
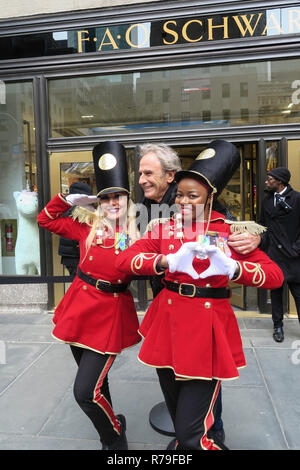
x,y
196,337
87,317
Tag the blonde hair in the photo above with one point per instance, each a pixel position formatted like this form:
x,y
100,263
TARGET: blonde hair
x,y
99,222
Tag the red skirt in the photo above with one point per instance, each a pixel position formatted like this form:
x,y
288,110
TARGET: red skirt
x,y
197,338
104,322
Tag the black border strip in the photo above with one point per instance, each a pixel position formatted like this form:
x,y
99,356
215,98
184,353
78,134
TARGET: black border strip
x,y
35,279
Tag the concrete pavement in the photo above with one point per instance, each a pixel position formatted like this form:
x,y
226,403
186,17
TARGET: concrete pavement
x,y
261,410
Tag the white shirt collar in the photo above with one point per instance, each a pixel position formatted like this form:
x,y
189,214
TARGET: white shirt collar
x,y
281,192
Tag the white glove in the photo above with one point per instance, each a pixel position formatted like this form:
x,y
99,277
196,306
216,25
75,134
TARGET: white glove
x,y
81,199
182,260
220,264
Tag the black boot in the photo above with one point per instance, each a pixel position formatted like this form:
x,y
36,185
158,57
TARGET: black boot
x,y
278,334
218,436
172,444
121,442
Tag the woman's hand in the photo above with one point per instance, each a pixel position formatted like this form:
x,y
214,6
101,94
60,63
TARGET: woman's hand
x,y
220,264
182,260
81,199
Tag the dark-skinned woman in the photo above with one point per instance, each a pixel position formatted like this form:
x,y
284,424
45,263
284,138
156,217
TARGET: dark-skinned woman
x,y
190,332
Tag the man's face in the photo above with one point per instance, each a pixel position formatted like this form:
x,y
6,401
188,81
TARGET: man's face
x,y
272,184
152,178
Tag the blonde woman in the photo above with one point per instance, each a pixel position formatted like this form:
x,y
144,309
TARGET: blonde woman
x,y
97,316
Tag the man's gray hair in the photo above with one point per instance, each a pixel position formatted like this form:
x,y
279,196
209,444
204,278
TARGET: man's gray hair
x,y
166,155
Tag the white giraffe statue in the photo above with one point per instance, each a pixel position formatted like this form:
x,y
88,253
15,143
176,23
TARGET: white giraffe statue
x,y
27,250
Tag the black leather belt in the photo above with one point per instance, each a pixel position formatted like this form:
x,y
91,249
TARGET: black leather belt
x,y
190,290
101,284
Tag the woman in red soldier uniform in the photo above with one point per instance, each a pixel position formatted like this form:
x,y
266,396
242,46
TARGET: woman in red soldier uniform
x,y
97,316
190,331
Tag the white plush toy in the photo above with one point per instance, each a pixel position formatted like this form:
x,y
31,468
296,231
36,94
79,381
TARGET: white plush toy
x,y
27,250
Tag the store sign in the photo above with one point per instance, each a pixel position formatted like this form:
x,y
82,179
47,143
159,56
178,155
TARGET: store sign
x,y
280,21
165,33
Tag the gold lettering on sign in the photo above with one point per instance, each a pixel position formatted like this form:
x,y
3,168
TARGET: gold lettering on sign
x,y
184,31
111,40
294,20
170,31
247,23
211,27
192,30
272,20
127,35
80,39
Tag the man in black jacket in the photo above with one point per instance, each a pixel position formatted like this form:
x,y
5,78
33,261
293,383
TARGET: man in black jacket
x,y
280,213
69,249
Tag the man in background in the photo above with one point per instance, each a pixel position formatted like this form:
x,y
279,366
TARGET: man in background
x,y
280,213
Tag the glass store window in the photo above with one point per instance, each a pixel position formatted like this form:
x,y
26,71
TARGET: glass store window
x,y
19,247
266,92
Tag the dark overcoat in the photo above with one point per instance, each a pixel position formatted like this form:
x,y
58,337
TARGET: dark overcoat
x,y
282,240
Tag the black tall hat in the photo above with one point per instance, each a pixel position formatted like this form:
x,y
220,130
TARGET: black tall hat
x,y
215,165
110,167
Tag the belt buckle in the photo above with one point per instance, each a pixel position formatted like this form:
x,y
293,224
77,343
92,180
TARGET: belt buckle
x,y
101,280
187,295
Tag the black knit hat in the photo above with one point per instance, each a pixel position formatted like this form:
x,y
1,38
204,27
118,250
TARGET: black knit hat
x,y
110,166
215,166
80,188
281,174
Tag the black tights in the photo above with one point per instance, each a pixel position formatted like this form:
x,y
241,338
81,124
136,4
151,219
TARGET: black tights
x,y
191,405
91,391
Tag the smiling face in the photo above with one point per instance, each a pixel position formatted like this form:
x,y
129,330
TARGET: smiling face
x,y
152,178
114,206
191,199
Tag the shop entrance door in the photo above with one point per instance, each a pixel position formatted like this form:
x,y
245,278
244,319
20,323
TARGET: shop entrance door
x,y
65,168
270,155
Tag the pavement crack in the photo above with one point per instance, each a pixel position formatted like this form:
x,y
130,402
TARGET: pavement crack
x,y
25,370
271,399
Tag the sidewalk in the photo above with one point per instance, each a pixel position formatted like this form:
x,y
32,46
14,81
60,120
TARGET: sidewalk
x,y
261,410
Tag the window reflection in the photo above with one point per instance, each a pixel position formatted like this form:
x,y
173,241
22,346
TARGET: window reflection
x,y
19,249
271,155
198,97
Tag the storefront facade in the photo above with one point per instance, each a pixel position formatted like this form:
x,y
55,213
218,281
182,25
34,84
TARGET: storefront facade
x,y
183,72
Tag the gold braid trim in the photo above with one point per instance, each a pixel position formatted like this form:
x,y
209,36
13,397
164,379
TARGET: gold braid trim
x,y
246,226
84,216
138,261
154,222
259,276
47,213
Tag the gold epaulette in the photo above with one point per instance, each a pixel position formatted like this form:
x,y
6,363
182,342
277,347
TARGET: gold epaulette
x,y
154,222
83,215
245,226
